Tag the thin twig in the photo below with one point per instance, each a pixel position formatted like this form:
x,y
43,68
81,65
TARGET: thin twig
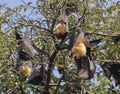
x,y
58,84
117,61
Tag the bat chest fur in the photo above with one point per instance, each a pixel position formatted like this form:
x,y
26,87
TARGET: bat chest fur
x,y
60,28
79,49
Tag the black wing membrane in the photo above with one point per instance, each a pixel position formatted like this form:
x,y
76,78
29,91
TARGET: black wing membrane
x,y
38,76
25,49
115,71
95,42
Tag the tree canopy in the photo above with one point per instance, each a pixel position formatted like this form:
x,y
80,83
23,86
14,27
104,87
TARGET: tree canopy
x,y
99,18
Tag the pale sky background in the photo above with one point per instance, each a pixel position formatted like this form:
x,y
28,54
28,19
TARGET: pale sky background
x,y
13,3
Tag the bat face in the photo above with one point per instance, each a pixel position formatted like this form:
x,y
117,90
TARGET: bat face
x,y
26,70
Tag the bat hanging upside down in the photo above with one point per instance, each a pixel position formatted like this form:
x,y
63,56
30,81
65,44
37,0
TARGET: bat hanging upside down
x,y
60,30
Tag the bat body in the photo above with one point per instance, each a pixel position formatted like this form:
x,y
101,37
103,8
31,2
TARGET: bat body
x,y
79,49
62,25
81,52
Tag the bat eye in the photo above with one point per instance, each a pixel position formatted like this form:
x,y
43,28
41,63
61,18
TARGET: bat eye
x,y
64,22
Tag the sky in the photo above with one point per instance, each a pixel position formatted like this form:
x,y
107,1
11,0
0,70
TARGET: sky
x,y
13,3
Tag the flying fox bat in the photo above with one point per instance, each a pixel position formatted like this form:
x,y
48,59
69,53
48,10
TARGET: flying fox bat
x,y
25,51
62,26
81,52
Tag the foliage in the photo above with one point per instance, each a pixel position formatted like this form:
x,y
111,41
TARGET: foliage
x,y
102,20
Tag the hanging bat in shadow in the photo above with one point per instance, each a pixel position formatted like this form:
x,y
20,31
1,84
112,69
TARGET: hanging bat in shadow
x,y
38,75
25,49
116,38
115,72
81,52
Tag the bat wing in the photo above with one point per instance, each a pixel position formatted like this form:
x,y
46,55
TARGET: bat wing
x,y
83,67
92,69
86,68
38,76
28,48
25,50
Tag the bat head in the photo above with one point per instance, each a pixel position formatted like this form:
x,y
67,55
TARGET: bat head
x,y
26,70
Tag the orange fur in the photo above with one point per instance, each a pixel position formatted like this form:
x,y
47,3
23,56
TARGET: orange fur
x,y
60,29
79,49
26,70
